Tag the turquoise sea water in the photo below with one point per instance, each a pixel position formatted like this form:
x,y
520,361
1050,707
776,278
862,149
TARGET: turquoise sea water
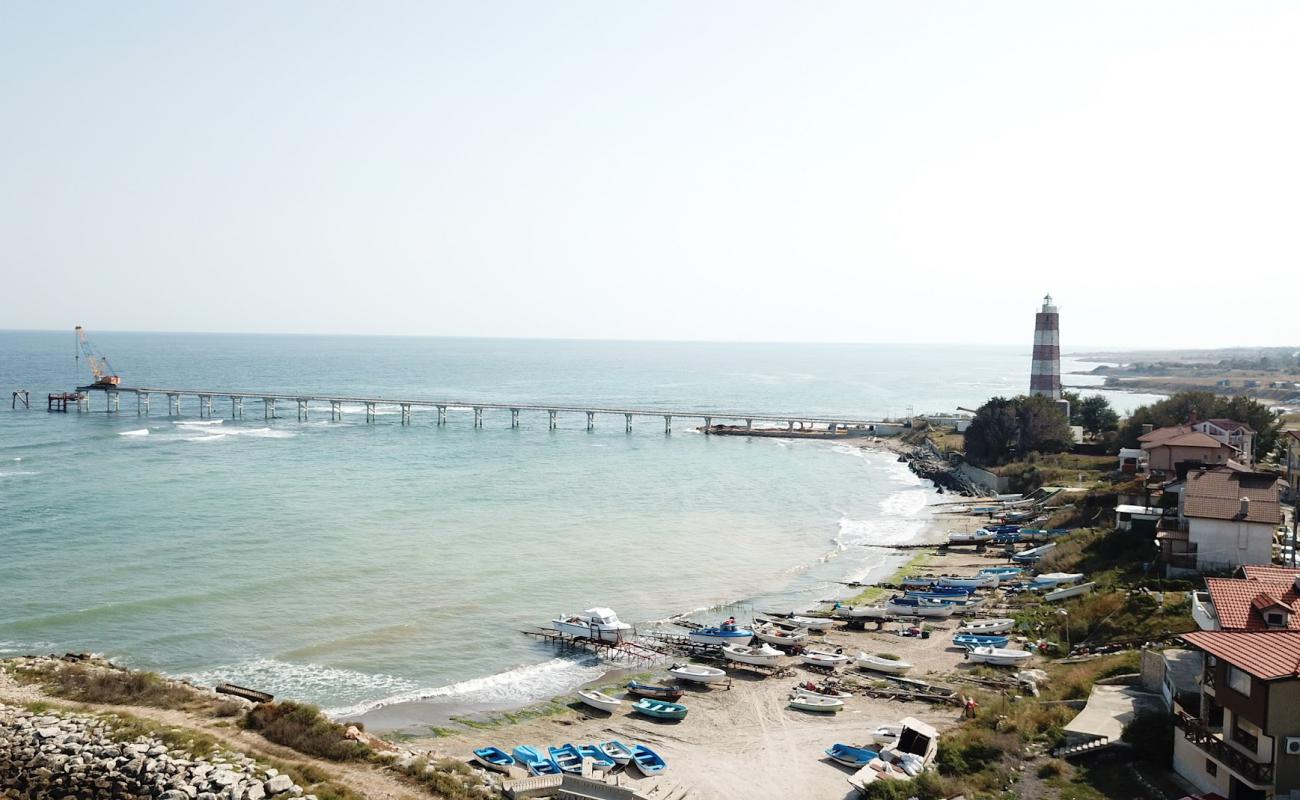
x,y
352,564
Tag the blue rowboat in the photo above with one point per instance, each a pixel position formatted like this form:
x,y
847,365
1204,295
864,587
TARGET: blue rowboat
x,y
660,709
647,760
941,591
850,756
536,760
654,692
494,758
723,634
1003,573
567,758
616,750
975,640
595,753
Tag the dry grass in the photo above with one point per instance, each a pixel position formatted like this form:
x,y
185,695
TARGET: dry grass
x,y
303,728
94,683
446,778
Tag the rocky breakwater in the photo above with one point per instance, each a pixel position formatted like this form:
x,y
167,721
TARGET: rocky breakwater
x,y
71,756
927,462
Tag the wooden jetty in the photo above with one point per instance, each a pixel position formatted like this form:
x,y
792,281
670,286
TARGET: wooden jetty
x,y
244,692
630,650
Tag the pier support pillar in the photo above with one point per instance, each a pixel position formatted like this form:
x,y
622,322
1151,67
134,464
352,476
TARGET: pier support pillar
x,y
442,415
628,419
789,425
268,408
514,418
591,420
478,416
406,413
236,408
302,409
83,402
142,404
749,424
205,405
336,410
831,427
174,405
551,415
111,402
708,424
668,424
370,412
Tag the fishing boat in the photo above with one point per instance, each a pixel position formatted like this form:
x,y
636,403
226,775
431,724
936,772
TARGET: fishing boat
x,y
494,758
1002,573
654,692
810,689
659,708
599,700
616,750
772,634
536,760
696,673
1069,591
879,663
970,537
567,758
1050,579
848,755
764,655
647,760
969,640
937,592
919,607
826,704
855,612
984,627
597,755
822,658
599,623
967,582
812,623
917,582
999,656
1032,554
726,633
887,734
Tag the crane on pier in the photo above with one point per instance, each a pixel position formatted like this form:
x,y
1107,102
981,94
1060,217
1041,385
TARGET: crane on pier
x,y
98,363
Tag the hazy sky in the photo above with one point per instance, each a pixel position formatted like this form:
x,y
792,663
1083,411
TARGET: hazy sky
x,y
861,171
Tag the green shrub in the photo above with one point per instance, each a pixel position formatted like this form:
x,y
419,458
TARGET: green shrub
x,y
1151,733
970,750
926,786
303,728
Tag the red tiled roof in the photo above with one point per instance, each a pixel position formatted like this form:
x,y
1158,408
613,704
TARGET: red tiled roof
x,y
1224,508
1264,601
1186,439
1266,655
1268,572
1233,599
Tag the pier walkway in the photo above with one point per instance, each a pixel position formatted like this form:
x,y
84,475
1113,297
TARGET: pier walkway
x,y
207,398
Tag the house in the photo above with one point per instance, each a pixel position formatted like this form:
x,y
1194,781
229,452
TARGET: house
x,y
1266,599
1140,518
1237,435
1240,738
1166,448
1292,442
1226,517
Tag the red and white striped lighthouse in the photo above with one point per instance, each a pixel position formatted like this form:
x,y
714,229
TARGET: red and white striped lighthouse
x,y
1045,373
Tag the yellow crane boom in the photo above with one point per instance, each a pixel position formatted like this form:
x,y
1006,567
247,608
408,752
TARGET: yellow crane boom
x,y
98,363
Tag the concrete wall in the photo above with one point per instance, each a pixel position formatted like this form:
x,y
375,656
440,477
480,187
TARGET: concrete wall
x,y
1283,722
1153,672
984,479
1189,762
1222,543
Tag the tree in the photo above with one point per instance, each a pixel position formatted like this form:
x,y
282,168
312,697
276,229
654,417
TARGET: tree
x,y
992,433
1095,415
1015,427
1178,409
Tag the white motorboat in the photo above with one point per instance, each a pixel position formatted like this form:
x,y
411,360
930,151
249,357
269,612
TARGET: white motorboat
x,y
863,612
913,750
998,656
815,703
968,581
822,658
764,655
597,623
984,627
919,607
599,700
887,734
970,537
1069,591
878,663
812,623
771,634
1050,579
695,673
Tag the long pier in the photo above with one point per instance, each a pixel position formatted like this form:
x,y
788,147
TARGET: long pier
x,y
207,399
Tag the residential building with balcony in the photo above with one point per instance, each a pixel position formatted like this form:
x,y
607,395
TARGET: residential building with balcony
x,y
1166,448
1237,435
1241,739
1226,518
1265,598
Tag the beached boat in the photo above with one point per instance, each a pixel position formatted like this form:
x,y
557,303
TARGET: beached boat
x,y
595,623
567,758
879,663
919,607
772,634
654,692
937,592
659,708
887,734
967,582
826,704
647,760
811,689
1033,554
999,656
812,623
597,755
621,753
914,749
970,537
764,655
1003,573
984,627
1052,579
917,582
494,758
857,612
1069,591
969,640
848,755
823,658
536,760
726,633
696,673
599,700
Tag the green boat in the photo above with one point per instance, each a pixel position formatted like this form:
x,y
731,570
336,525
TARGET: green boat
x,y
660,709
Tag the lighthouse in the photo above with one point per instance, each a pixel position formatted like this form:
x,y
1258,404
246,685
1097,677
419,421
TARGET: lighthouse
x,y
1045,372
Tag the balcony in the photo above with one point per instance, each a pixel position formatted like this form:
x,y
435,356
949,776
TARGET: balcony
x,y
1247,768
1203,611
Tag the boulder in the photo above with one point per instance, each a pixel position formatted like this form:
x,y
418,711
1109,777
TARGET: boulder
x,y
278,784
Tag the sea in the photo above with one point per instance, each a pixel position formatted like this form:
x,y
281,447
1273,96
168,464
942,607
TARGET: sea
x,y
357,565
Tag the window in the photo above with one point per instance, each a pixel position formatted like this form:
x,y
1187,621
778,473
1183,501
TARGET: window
x,y
1244,737
1275,619
1239,680
1211,768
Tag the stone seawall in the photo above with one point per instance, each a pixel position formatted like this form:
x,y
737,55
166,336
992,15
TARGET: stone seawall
x,y
53,756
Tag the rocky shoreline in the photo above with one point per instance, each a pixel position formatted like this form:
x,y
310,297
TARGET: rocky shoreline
x,y
56,755
927,462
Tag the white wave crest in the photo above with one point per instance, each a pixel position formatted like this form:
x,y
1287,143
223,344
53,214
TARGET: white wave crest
x,y
199,422
881,532
140,432
311,682
17,473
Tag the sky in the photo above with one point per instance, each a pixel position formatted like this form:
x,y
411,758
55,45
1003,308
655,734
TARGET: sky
x,y
750,171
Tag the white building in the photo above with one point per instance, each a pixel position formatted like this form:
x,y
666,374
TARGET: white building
x,y
1226,518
